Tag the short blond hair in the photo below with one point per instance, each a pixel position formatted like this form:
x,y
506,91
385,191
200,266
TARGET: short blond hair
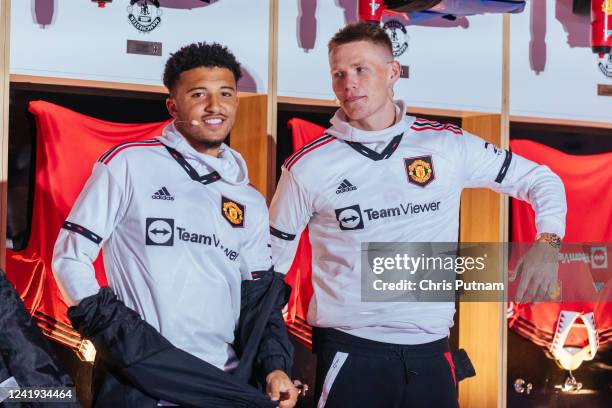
x,y
362,31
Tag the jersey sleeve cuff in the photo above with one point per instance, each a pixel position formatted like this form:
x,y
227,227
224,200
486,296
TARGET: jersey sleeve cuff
x,y
275,362
551,227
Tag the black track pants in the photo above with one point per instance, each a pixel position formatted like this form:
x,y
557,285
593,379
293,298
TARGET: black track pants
x,y
355,372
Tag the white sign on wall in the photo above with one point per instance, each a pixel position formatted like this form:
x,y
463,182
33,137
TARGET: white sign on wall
x,y
76,39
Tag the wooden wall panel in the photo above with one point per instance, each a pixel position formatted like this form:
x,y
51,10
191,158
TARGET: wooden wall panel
x,y
5,27
482,325
272,116
250,137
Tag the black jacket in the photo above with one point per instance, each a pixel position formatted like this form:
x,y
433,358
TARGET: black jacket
x,y
261,339
142,367
24,352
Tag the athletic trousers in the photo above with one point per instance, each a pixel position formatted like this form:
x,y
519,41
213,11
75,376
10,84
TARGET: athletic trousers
x,y
353,372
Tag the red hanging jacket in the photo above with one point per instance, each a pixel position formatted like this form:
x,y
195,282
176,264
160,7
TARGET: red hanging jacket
x,y
300,273
67,146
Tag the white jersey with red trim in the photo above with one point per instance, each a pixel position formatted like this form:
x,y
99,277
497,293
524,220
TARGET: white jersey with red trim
x,y
401,184
179,230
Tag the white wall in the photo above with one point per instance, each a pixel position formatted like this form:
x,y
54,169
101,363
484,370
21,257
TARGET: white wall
x,y
455,67
451,67
86,42
567,86
459,66
305,72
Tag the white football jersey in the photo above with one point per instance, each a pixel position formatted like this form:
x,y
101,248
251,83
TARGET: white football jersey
x,y
401,184
179,231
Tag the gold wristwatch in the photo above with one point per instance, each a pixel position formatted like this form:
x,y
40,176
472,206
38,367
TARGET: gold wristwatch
x,y
552,239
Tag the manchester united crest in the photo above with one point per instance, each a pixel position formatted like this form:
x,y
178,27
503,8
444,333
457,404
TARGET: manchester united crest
x,y
398,35
233,212
143,16
420,170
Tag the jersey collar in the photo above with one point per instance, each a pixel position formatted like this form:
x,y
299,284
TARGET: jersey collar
x,y
373,154
203,168
341,129
191,172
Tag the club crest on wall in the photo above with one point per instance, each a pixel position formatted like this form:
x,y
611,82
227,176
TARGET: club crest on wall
x,y
398,35
144,15
605,65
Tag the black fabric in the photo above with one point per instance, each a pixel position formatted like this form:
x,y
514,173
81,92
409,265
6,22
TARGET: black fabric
x,y
463,365
282,235
410,6
90,235
4,372
376,374
25,353
261,339
504,168
111,389
132,353
135,353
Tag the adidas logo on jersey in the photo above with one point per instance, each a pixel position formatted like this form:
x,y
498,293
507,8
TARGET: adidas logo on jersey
x,y
345,187
162,194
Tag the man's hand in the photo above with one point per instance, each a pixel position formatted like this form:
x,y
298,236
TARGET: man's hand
x,y
538,269
280,388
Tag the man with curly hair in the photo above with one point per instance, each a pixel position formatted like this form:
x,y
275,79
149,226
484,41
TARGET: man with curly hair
x,y
186,247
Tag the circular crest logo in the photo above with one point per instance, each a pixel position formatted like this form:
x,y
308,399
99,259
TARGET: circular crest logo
x,y
144,15
232,212
420,171
398,35
605,65
160,231
349,218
